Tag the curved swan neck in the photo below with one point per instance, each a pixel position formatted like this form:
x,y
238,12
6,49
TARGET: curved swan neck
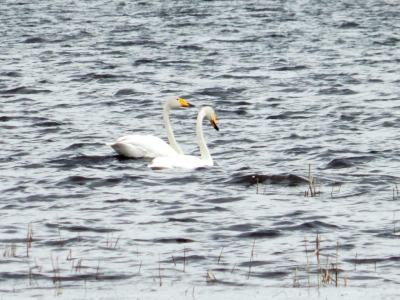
x,y
170,134
205,154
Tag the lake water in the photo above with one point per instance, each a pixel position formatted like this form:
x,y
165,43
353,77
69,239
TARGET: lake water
x,y
301,89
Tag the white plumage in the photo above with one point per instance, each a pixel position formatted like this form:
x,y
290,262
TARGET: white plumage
x,y
150,146
188,161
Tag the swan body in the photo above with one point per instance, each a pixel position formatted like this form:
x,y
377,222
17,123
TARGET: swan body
x,y
150,146
188,161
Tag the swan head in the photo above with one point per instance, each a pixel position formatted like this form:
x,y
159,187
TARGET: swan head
x,y
177,102
211,116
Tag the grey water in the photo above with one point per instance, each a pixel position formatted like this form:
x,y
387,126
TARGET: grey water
x,y
301,89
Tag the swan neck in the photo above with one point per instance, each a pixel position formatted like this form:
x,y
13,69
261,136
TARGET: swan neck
x,y
168,128
205,154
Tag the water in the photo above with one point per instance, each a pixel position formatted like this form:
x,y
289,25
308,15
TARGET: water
x,y
293,83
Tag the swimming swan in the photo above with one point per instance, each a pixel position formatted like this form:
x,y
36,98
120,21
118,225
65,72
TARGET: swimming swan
x,y
150,146
188,161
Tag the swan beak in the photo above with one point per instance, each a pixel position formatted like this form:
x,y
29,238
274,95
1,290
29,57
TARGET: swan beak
x,y
184,103
214,123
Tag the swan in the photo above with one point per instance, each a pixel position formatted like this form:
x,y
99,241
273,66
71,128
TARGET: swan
x,y
189,161
150,146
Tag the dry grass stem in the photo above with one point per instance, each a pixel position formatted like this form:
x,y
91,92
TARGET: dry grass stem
x,y
173,259
78,266
116,243
184,259
355,263
29,239
69,257
140,266
296,282
233,267
252,251
159,268
99,276
210,276
219,258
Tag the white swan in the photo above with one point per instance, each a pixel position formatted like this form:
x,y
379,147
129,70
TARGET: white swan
x,y
150,146
188,161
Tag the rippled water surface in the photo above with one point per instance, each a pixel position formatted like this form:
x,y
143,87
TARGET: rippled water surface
x,y
293,83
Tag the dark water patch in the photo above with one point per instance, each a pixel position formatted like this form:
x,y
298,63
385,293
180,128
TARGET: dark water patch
x,y
241,227
285,179
189,47
95,276
240,112
186,258
272,274
15,275
13,241
345,117
149,43
35,166
308,225
182,220
174,241
385,234
389,124
143,61
349,24
238,41
220,92
34,40
288,115
80,228
392,41
5,118
194,210
63,242
49,124
296,213
11,74
108,182
123,200
242,76
270,8
106,77
87,161
336,91
291,68
11,206
19,188
224,200
24,90
125,92
283,223
340,246
372,261
255,263
82,145
51,198
348,162
362,277
270,233
76,179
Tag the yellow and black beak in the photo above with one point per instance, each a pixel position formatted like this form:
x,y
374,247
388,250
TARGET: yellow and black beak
x,y
214,123
184,103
